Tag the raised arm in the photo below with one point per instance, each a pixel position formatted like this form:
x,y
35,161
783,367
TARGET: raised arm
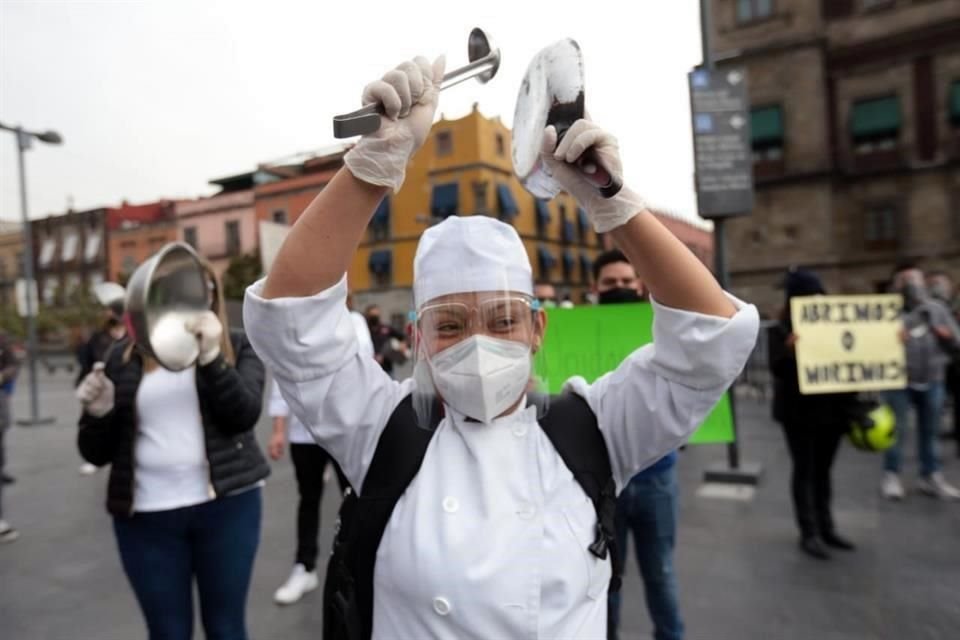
x,y
673,275
702,337
318,250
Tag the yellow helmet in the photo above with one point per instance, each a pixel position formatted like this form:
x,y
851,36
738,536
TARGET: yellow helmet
x,y
875,431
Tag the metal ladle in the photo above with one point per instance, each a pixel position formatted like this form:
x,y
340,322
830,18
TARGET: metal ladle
x,y
483,65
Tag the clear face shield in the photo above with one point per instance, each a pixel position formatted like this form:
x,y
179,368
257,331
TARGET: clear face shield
x,y
477,352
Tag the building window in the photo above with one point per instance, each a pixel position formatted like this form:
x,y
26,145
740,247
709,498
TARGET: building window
x,y
955,104
547,261
68,249
568,264
50,287
875,124
444,143
280,216
586,268
232,228
506,205
752,10
380,223
46,251
766,133
583,225
91,250
381,267
566,227
94,279
501,146
445,200
881,227
128,264
190,236
72,285
480,196
543,216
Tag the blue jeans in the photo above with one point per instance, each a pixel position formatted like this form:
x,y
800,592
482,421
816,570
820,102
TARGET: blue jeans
x,y
648,508
928,405
215,543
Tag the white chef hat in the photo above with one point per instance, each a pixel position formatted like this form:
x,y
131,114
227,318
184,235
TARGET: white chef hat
x,y
475,253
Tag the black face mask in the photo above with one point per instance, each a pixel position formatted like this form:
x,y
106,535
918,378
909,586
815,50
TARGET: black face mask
x,y
618,295
913,295
373,321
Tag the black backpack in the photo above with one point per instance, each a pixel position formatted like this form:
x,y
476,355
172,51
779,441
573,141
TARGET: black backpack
x,y
348,591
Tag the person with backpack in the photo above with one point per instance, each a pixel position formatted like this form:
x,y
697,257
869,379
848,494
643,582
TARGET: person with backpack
x,y
492,507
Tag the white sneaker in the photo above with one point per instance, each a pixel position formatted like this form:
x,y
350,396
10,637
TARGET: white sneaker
x,y
937,486
891,488
7,533
87,469
300,582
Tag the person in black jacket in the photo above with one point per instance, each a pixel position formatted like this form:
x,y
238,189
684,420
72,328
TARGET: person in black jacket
x,y
813,425
186,471
110,296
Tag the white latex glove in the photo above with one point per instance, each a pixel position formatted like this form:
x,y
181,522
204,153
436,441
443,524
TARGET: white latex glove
x,y
96,392
605,213
208,330
409,98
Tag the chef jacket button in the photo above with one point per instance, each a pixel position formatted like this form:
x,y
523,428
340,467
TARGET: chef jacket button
x,y
441,606
451,504
520,430
527,511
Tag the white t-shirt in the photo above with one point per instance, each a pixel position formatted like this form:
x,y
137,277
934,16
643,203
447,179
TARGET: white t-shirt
x,y
296,432
171,455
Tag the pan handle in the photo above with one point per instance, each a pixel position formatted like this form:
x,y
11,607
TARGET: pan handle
x,y
606,184
590,166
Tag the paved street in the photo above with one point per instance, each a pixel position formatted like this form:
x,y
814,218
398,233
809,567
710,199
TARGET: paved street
x,y
741,575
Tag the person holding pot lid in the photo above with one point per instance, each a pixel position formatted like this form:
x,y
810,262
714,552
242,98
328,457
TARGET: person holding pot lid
x,y
186,471
490,538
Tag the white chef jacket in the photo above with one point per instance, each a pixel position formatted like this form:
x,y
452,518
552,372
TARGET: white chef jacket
x,y
296,432
490,539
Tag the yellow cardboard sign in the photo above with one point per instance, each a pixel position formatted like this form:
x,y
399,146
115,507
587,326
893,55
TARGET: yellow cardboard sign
x,y
849,343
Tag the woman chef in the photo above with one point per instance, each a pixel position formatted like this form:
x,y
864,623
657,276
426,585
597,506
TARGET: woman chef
x,y
490,538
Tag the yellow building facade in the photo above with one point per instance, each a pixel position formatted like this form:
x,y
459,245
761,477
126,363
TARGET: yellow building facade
x,y
464,168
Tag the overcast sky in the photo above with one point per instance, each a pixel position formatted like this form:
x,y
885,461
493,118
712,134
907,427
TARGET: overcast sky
x,y
155,98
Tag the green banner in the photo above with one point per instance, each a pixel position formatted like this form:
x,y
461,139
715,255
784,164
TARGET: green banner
x,y
591,340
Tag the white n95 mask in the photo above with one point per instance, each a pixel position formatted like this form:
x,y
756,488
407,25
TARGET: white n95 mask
x,y
481,377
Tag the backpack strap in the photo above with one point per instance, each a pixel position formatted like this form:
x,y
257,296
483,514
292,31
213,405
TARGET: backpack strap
x,y
363,519
571,425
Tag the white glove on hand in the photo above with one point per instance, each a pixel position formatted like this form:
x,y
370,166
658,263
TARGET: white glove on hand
x,y
96,392
409,98
605,213
208,330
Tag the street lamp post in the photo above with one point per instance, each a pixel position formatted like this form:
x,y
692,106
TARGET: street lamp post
x,y
24,139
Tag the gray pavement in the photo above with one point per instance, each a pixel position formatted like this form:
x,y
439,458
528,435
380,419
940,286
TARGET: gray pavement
x,y
741,576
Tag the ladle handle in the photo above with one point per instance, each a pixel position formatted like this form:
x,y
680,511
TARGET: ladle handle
x,y
366,119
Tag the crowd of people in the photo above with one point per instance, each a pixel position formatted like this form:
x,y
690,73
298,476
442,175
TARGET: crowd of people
x,y
491,523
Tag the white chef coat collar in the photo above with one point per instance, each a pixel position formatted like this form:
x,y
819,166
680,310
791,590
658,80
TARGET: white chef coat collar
x,y
522,413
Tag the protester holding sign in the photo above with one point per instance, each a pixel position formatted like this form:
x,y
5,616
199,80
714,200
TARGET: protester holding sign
x,y
813,425
931,335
